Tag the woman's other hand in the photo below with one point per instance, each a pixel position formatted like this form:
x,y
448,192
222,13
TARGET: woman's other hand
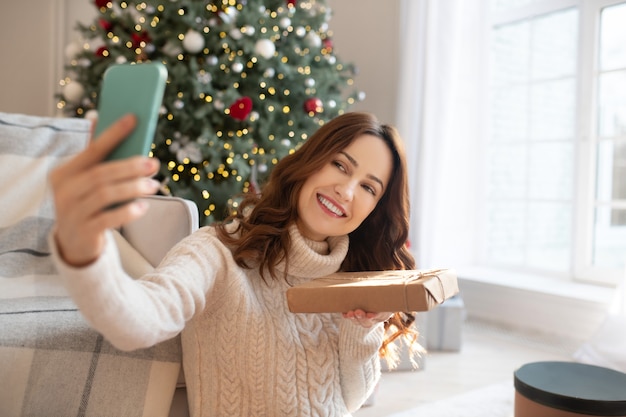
x,y
86,187
366,319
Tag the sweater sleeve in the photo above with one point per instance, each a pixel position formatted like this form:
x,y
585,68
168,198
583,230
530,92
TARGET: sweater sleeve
x,y
134,314
358,361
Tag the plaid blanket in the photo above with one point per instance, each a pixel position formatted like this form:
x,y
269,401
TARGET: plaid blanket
x,y
51,362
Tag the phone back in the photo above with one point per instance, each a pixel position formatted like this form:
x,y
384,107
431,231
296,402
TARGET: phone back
x,y
137,89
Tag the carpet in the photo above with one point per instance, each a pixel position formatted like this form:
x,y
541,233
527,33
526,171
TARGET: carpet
x,y
493,401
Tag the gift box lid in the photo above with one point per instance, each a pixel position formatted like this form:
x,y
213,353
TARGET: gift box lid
x,y
573,387
374,291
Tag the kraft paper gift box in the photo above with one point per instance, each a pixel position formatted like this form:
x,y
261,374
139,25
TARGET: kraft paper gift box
x,y
374,291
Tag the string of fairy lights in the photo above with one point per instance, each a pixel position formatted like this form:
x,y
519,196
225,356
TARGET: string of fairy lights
x,y
226,72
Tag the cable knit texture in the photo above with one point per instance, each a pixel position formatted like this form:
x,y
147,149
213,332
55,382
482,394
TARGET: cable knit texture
x,y
244,353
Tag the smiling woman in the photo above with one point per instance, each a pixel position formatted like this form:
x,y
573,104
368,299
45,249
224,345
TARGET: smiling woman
x,y
339,203
337,198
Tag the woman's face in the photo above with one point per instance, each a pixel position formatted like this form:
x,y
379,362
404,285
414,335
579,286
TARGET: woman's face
x,y
336,199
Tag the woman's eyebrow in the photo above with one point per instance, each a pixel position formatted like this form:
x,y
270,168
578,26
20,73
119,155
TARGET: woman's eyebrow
x,y
356,164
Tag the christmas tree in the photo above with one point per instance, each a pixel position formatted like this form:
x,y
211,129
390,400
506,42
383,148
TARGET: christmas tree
x,y
249,81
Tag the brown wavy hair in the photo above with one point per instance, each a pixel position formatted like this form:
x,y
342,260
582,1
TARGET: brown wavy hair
x,y
379,242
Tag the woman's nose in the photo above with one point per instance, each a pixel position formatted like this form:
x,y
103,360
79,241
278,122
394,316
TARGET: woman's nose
x,y
345,190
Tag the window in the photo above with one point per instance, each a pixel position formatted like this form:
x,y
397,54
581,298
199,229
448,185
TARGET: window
x,y
555,190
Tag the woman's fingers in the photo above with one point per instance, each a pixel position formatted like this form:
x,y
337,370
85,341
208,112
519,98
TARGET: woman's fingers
x,y
366,319
80,241
124,179
99,148
91,196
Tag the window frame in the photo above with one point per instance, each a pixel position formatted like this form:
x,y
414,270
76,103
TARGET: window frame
x,y
586,137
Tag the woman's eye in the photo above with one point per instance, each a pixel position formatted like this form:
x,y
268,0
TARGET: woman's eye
x,y
339,165
370,189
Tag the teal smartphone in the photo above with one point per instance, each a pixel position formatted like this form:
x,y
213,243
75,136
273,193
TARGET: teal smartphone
x,y
137,89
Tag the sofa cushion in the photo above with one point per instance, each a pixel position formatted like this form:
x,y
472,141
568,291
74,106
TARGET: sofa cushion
x,y
30,147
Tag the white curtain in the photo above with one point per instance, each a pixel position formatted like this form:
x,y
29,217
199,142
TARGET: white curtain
x,y
442,93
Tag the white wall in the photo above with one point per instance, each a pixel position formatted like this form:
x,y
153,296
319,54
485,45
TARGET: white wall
x,y
367,33
33,35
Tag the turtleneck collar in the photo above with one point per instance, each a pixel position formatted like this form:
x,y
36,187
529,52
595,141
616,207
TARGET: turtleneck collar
x,y
309,259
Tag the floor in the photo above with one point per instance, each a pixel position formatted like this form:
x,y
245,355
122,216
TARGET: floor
x,y
489,354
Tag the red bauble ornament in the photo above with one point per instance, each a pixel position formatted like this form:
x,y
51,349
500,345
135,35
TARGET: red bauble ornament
x,y
241,108
291,3
313,105
140,37
102,51
101,3
328,44
105,24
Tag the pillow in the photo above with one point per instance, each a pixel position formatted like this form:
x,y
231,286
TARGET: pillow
x,y
133,262
30,147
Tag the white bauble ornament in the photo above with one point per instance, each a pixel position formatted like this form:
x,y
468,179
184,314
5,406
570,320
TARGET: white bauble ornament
x,y
121,59
265,48
332,104
313,40
91,115
236,34
262,168
237,67
269,73
179,104
84,62
149,48
361,95
309,82
73,92
229,15
300,31
284,23
72,49
204,77
172,50
218,104
212,60
191,151
254,115
249,30
162,110
286,143
193,42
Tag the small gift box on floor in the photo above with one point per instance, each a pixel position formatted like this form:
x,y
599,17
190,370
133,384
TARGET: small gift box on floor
x,y
444,325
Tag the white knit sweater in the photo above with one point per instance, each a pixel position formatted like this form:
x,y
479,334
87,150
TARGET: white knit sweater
x,y
244,353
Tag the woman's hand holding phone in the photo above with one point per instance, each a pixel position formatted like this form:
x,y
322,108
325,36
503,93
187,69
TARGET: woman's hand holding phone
x,y
86,187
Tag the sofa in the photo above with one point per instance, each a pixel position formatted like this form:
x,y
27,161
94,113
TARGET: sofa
x,y
51,362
